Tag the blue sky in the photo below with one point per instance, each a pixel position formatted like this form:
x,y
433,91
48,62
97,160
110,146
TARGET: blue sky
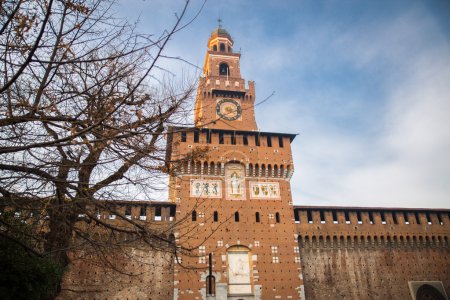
x,y
366,84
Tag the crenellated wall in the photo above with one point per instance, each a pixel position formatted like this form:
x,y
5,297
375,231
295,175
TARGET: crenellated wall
x,y
345,253
257,147
155,212
127,268
371,253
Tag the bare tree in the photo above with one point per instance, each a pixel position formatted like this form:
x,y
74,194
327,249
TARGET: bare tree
x,y
82,118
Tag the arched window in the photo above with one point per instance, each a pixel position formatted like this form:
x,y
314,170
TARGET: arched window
x,y
212,169
277,217
198,167
215,48
191,166
224,69
257,217
205,167
194,216
222,47
216,216
236,217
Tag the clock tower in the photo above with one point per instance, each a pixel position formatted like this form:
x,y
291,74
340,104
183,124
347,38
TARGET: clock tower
x,y
236,234
222,99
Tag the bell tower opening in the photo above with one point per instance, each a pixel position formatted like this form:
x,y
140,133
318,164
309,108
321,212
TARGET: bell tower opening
x,y
224,69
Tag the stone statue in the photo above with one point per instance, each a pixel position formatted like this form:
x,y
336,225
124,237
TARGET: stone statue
x,y
235,184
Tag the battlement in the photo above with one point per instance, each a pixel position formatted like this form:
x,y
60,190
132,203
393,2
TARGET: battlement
x,y
330,227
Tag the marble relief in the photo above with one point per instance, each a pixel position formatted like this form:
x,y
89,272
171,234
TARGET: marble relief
x,y
239,273
264,190
235,181
206,188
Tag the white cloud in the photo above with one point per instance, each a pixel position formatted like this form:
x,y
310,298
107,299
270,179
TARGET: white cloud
x,y
408,162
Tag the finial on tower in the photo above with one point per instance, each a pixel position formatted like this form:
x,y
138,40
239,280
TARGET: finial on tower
x,y
219,20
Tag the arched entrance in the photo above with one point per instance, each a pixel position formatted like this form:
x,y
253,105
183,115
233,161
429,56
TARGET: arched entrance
x,y
428,292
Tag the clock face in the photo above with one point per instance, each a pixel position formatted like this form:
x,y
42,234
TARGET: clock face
x,y
228,109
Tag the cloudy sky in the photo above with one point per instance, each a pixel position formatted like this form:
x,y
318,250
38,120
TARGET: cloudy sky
x,y
365,84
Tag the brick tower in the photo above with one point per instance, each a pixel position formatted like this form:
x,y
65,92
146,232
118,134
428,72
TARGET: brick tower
x,y
234,206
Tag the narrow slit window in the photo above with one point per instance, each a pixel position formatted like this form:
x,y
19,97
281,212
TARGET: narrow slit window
x,y
196,136
440,219
347,217
322,217
297,216
143,213
216,216
277,217
245,139
405,216
183,136
257,139
358,215
236,217
172,211
257,217
208,137
394,217
428,218
335,218
128,211
220,137
309,215
194,216
383,218
371,220
233,138
158,213
269,141
280,141
416,214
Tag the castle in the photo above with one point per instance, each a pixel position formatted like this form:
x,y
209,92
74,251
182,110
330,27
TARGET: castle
x,y
234,209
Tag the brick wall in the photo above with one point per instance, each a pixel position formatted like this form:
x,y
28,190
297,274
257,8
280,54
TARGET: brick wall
x,y
371,253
